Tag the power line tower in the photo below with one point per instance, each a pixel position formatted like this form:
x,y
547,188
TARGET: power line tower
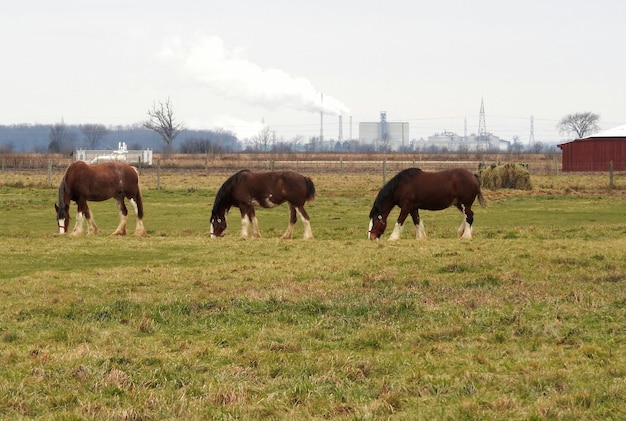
x,y
531,140
482,126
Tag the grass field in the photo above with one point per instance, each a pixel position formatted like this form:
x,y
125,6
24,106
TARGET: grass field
x,y
526,321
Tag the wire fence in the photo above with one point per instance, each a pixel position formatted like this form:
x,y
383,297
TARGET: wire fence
x,y
312,164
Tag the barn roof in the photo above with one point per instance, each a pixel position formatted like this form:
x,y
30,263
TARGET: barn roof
x,y
619,131
615,132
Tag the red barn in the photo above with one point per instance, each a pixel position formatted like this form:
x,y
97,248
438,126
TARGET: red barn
x,y
594,153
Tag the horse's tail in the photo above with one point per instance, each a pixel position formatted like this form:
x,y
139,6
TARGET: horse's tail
x,y
310,188
138,196
139,201
479,195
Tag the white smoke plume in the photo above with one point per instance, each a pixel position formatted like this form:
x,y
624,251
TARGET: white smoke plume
x,y
231,76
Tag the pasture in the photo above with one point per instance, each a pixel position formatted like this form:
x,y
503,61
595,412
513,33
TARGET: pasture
x,y
525,321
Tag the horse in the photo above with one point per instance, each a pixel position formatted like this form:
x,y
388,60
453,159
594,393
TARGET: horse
x,y
83,182
413,189
246,189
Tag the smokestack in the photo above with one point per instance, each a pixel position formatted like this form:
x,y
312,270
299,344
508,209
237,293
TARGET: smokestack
x,y
340,134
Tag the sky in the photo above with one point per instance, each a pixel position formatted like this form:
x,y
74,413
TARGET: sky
x,y
243,65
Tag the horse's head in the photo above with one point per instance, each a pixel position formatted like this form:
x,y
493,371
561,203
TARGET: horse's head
x,y
378,223
63,217
218,224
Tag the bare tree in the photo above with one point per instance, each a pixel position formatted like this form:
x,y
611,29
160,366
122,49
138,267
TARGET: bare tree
x,y
536,147
93,133
296,140
60,138
262,140
579,124
162,121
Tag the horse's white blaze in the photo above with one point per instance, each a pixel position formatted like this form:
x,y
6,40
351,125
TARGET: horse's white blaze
x,y
369,229
421,231
397,231
61,226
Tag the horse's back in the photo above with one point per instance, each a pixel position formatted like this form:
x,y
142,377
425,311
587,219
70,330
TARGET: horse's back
x,y
102,181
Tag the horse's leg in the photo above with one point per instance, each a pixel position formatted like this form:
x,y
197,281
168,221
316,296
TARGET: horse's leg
x,y
78,225
245,226
420,232
121,228
81,211
246,220
92,228
308,233
140,231
465,230
397,229
292,221
255,225
306,221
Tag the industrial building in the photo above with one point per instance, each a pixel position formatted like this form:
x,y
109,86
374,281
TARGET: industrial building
x,y
385,135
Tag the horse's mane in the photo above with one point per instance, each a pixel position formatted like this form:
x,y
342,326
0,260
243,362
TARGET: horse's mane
x,y
390,187
222,198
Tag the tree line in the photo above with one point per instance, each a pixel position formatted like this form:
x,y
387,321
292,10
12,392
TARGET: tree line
x,y
65,138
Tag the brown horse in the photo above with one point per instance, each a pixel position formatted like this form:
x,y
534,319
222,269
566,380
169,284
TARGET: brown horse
x,y
413,189
246,189
98,182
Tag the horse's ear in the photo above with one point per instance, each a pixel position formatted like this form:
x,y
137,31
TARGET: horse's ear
x,y
56,207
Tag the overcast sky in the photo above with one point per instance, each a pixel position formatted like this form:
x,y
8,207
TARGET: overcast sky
x,y
244,64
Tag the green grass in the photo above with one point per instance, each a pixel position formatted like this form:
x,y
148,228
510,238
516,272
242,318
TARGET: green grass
x,y
526,321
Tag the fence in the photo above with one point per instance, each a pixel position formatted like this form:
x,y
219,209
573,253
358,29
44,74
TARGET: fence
x,y
313,164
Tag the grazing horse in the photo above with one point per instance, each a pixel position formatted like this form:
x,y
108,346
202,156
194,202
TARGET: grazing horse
x,y
98,182
246,189
413,189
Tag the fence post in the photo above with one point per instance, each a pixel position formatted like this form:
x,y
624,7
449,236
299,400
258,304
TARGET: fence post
x,y
158,186
611,174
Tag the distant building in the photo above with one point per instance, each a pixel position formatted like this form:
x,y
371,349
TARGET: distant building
x,y
451,142
595,153
143,157
385,135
